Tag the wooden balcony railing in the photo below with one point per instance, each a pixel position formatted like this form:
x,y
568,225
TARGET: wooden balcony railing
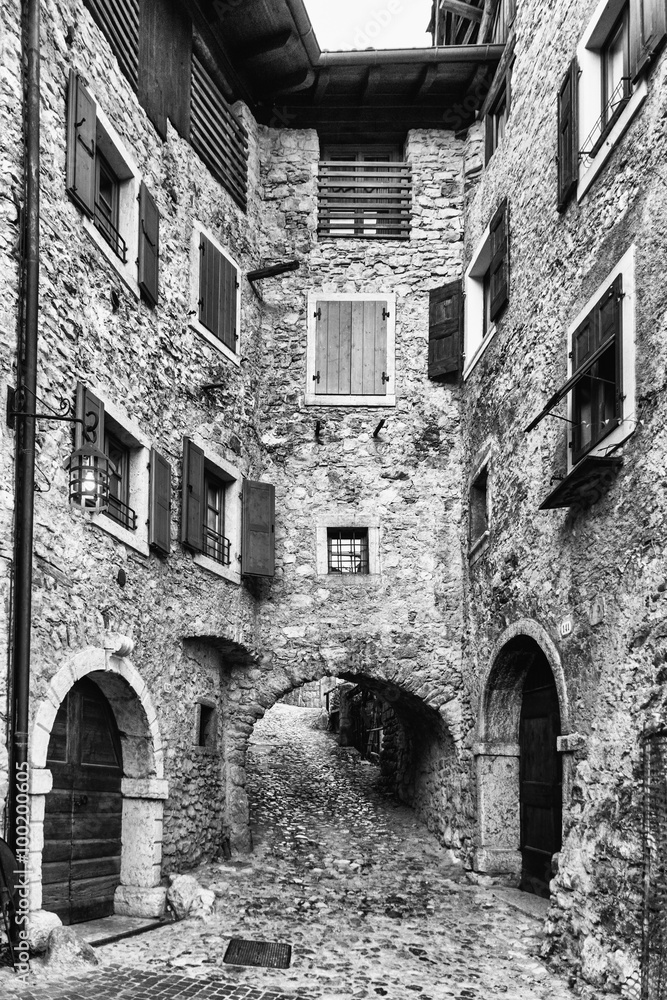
x,y
365,200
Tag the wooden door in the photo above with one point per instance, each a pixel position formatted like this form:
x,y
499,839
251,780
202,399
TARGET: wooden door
x,y
541,779
83,817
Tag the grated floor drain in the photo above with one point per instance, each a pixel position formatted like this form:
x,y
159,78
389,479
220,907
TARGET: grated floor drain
x,y
267,954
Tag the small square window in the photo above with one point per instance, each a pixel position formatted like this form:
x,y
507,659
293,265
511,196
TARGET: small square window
x,y
479,509
347,550
206,726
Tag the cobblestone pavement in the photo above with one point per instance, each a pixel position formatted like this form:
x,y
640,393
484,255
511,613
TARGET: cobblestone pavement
x,y
372,905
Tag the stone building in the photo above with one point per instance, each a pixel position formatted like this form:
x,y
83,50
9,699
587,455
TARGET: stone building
x,y
308,305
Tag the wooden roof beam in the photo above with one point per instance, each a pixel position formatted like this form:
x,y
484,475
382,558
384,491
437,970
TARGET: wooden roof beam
x,y
486,25
265,45
370,85
427,78
462,9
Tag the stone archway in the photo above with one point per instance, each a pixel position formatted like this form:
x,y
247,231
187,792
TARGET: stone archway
x,y
143,786
497,750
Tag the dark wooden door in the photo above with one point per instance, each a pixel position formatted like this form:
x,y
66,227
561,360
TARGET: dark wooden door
x,y
541,779
83,818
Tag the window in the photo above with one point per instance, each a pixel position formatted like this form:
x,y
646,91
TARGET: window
x,y
604,88
487,287
479,509
601,385
139,511
216,544
347,550
496,120
206,724
350,359
365,193
215,294
119,213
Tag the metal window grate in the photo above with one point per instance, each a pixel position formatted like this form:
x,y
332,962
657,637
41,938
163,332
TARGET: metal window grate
x,y
265,954
347,550
216,546
654,944
603,126
107,229
121,513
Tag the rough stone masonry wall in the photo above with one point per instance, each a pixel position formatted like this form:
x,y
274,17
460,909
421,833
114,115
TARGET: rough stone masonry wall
x,y
546,565
151,364
401,627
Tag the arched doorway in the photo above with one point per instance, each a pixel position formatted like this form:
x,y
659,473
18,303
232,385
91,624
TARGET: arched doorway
x,y
540,778
83,812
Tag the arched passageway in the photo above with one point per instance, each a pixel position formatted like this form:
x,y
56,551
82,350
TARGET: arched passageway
x,y
519,766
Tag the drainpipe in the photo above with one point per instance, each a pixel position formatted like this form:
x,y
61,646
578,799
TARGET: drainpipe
x,y
25,424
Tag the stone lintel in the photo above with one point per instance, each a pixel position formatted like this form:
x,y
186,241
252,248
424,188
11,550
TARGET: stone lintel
x,y
145,788
495,749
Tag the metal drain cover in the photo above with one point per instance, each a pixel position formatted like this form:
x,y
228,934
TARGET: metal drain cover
x,y
268,954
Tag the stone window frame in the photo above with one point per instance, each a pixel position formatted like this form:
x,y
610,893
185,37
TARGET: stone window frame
x,y
589,92
139,450
212,746
481,470
222,469
195,257
347,520
626,425
312,398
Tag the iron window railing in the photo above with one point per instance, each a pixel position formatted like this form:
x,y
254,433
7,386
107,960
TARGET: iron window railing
x,y
121,513
347,550
366,200
110,233
610,113
217,547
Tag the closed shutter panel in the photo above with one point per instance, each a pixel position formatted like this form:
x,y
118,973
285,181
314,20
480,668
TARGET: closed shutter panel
x,y
351,348
165,65
90,409
445,334
81,134
258,542
228,290
329,374
568,142
159,529
119,22
217,134
193,496
499,269
209,285
648,30
149,246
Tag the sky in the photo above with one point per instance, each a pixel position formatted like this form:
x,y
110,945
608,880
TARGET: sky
x,y
362,24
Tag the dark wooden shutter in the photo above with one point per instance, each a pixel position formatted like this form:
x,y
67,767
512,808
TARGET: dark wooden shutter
x,y
209,284
119,22
648,30
88,407
159,524
149,244
258,538
81,134
445,330
192,517
499,269
217,135
568,140
165,65
351,347
227,308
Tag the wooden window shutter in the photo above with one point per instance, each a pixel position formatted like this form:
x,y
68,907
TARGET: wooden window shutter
x,y
445,332
209,284
119,22
217,134
499,268
88,407
648,30
568,140
258,538
164,73
159,524
227,304
149,244
351,347
81,136
192,516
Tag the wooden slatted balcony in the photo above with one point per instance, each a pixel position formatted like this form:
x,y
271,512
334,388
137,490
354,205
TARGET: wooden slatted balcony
x,y
369,200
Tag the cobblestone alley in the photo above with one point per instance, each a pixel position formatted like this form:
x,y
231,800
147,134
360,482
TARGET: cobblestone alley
x,y
371,904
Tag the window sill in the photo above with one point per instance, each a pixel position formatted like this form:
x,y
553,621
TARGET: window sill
x,y
215,342
312,399
616,133
124,271
124,535
348,579
226,572
210,752
479,351
479,546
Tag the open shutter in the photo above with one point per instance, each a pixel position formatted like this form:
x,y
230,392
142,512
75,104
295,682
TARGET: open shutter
x,y
192,517
164,73
445,329
499,269
149,245
91,410
209,285
258,541
568,141
648,30
81,134
159,524
227,305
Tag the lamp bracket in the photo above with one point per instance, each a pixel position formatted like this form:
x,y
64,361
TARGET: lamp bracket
x,y
16,404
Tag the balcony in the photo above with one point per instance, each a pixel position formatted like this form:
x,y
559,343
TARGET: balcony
x,y
367,200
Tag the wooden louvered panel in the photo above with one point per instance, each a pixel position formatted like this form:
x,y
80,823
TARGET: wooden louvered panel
x,y
217,134
119,20
369,200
